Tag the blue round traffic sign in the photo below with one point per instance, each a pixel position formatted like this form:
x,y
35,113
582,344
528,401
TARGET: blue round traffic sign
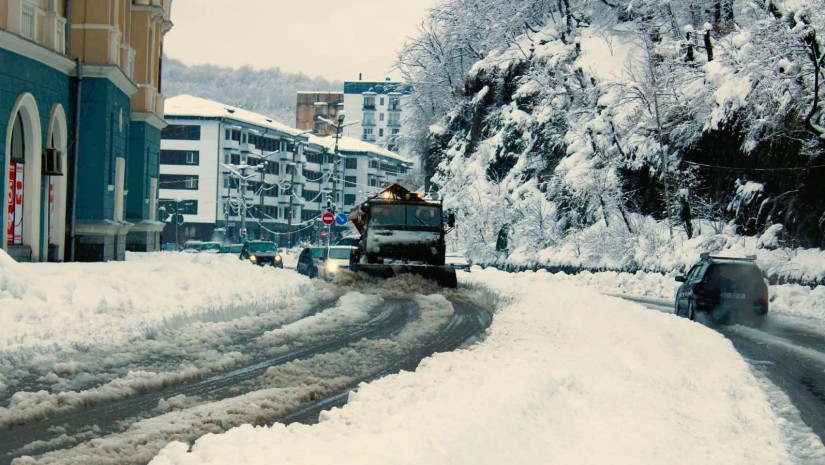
x,y
341,219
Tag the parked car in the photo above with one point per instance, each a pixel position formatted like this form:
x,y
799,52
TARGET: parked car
x,y
337,259
209,247
351,241
262,253
457,261
231,248
728,290
310,260
192,246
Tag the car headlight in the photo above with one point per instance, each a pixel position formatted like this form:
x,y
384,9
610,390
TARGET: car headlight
x,y
253,258
332,267
277,258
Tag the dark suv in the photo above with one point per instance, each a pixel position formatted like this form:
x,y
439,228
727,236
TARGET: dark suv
x,y
262,253
728,290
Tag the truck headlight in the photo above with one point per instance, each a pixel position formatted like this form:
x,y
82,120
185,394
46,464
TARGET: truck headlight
x,y
332,267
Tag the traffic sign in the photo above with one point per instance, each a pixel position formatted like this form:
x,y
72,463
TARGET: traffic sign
x,y
341,219
327,218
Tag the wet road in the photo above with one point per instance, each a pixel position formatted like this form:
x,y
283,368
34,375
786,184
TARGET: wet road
x,y
788,351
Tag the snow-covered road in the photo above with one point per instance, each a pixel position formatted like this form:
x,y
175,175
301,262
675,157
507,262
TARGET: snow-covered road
x,y
563,374
173,385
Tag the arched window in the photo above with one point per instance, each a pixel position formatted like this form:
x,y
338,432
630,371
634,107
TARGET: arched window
x,y
18,141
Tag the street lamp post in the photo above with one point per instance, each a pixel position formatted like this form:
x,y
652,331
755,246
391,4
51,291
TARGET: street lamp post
x,y
297,145
261,168
240,172
338,126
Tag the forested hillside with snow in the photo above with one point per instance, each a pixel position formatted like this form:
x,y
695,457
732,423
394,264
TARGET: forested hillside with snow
x,y
269,92
569,133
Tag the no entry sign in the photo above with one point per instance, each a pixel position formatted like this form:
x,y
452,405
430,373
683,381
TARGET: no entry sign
x,y
327,218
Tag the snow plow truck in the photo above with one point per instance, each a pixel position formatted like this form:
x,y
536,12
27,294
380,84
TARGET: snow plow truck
x,y
401,232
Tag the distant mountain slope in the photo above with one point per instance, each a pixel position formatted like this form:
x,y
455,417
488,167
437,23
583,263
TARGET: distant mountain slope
x,y
269,92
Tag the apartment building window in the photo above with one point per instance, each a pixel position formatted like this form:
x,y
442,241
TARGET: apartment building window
x,y
369,119
179,181
181,132
188,207
394,131
381,101
349,199
373,182
315,158
380,132
369,102
350,181
380,117
389,168
179,157
351,163
368,134
395,103
394,120
310,196
373,163
313,176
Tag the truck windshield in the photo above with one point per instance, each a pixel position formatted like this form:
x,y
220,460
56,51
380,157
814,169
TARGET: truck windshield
x,y
421,215
406,215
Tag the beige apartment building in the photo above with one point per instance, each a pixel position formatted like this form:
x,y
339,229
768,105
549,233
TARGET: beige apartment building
x,y
311,105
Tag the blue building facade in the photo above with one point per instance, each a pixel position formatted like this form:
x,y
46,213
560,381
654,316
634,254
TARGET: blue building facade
x,y
79,134
35,110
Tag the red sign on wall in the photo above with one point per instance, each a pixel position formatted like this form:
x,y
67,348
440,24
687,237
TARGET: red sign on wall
x,y
14,228
10,205
18,203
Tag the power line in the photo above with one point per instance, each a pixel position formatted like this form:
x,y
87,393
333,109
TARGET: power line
x,y
735,168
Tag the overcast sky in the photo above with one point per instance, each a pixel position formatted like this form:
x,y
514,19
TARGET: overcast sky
x,y
333,39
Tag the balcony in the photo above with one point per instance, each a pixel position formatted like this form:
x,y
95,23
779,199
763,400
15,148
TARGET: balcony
x,y
128,60
54,29
145,99
113,56
160,102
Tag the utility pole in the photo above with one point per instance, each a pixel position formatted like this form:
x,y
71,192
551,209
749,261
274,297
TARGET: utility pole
x,y
291,193
296,146
261,167
339,125
240,172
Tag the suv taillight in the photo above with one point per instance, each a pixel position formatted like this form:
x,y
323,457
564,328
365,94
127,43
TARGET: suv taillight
x,y
699,290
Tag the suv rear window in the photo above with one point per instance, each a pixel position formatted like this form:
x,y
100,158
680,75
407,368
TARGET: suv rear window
x,y
728,275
